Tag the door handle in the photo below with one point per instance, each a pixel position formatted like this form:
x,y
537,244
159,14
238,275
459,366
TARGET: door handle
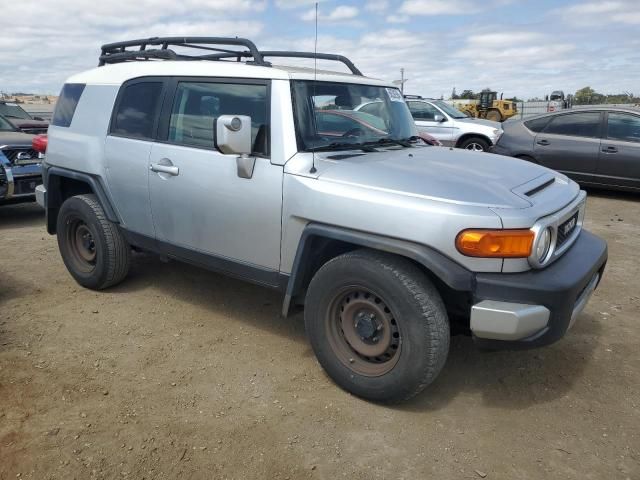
x,y
169,170
543,142
610,149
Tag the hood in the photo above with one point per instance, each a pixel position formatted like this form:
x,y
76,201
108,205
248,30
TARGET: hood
x,y
16,139
448,175
480,121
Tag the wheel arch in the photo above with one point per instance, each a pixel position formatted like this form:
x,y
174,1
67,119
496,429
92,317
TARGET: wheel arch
x,y
62,183
467,136
320,243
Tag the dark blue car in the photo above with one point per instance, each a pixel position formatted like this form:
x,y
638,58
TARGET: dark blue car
x,y
20,165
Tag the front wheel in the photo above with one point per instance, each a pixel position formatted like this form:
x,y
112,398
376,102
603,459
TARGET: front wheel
x,y
475,144
377,325
92,248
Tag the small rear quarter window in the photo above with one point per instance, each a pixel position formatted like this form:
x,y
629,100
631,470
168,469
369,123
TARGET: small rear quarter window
x,y
67,103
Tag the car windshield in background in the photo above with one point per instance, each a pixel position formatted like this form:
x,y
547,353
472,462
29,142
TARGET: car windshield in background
x,y
13,110
5,125
330,115
449,110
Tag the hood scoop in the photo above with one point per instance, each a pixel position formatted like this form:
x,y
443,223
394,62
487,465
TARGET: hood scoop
x,y
540,187
344,156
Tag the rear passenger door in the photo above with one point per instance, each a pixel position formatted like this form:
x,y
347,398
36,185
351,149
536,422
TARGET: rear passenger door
x,y
619,162
204,211
127,148
570,143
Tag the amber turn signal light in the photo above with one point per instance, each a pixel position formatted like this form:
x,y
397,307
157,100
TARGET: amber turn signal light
x,y
495,243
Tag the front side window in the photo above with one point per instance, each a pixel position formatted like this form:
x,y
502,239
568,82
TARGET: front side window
x,y
331,115
450,110
198,104
585,124
423,111
137,110
622,126
537,124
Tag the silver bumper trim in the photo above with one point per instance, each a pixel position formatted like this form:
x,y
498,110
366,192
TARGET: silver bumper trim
x,y
507,321
583,299
41,196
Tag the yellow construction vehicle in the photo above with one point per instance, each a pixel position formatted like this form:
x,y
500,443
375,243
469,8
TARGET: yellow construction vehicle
x,y
489,107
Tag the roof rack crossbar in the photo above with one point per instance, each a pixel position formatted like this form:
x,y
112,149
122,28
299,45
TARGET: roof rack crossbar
x,y
117,52
287,54
111,49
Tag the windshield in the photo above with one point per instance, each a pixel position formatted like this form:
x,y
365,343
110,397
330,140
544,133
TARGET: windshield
x,y
5,125
449,110
13,110
344,115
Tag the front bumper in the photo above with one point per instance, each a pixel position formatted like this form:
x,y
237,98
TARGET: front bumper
x,y
536,308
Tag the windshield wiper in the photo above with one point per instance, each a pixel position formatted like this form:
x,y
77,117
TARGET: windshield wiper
x,y
342,146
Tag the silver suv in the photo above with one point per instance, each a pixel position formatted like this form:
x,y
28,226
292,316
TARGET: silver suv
x,y
452,127
269,174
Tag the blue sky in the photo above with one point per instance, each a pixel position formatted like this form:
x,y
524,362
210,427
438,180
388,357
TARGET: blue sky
x,y
520,47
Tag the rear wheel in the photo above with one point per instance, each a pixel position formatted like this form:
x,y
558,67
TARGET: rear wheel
x,y
92,248
377,325
475,144
494,115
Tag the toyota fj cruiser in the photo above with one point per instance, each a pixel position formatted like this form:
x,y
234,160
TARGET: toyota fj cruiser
x,y
269,174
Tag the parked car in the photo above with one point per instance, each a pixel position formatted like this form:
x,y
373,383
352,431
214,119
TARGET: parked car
x,y
452,127
385,241
21,119
20,165
594,146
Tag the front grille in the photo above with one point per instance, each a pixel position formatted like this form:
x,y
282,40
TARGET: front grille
x,y
566,228
21,155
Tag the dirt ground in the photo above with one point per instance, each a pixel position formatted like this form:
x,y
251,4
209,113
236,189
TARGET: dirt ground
x,y
182,373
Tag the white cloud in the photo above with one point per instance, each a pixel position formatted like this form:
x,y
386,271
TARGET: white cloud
x,y
601,13
438,7
376,5
341,13
398,18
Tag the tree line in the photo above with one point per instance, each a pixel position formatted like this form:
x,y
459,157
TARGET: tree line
x,y
584,96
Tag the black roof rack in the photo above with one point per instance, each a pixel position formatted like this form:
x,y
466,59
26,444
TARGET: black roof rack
x,y
414,97
122,51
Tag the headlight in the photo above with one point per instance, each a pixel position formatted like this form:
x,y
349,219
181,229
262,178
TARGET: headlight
x,y
543,245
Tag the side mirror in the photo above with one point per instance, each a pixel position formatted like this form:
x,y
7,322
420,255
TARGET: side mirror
x,y
439,118
233,136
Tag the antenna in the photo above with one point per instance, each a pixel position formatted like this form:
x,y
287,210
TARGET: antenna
x,y
315,79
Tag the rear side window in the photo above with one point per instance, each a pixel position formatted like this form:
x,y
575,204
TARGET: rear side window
x,y
621,126
537,124
198,104
66,104
137,110
575,125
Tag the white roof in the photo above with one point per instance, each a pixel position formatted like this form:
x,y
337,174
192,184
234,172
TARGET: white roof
x,y
116,74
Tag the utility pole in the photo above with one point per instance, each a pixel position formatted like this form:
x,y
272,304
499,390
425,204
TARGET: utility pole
x,y
401,82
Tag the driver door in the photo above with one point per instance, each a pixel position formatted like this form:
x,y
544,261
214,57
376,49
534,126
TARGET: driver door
x,y
202,209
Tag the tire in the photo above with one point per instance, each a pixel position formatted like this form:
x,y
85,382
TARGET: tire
x,y
92,248
402,299
475,144
494,116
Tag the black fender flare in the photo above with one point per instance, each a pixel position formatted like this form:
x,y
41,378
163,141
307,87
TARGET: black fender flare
x,y
448,271
54,198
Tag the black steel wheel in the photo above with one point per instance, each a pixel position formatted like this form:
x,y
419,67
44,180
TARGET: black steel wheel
x,y
92,248
377,325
